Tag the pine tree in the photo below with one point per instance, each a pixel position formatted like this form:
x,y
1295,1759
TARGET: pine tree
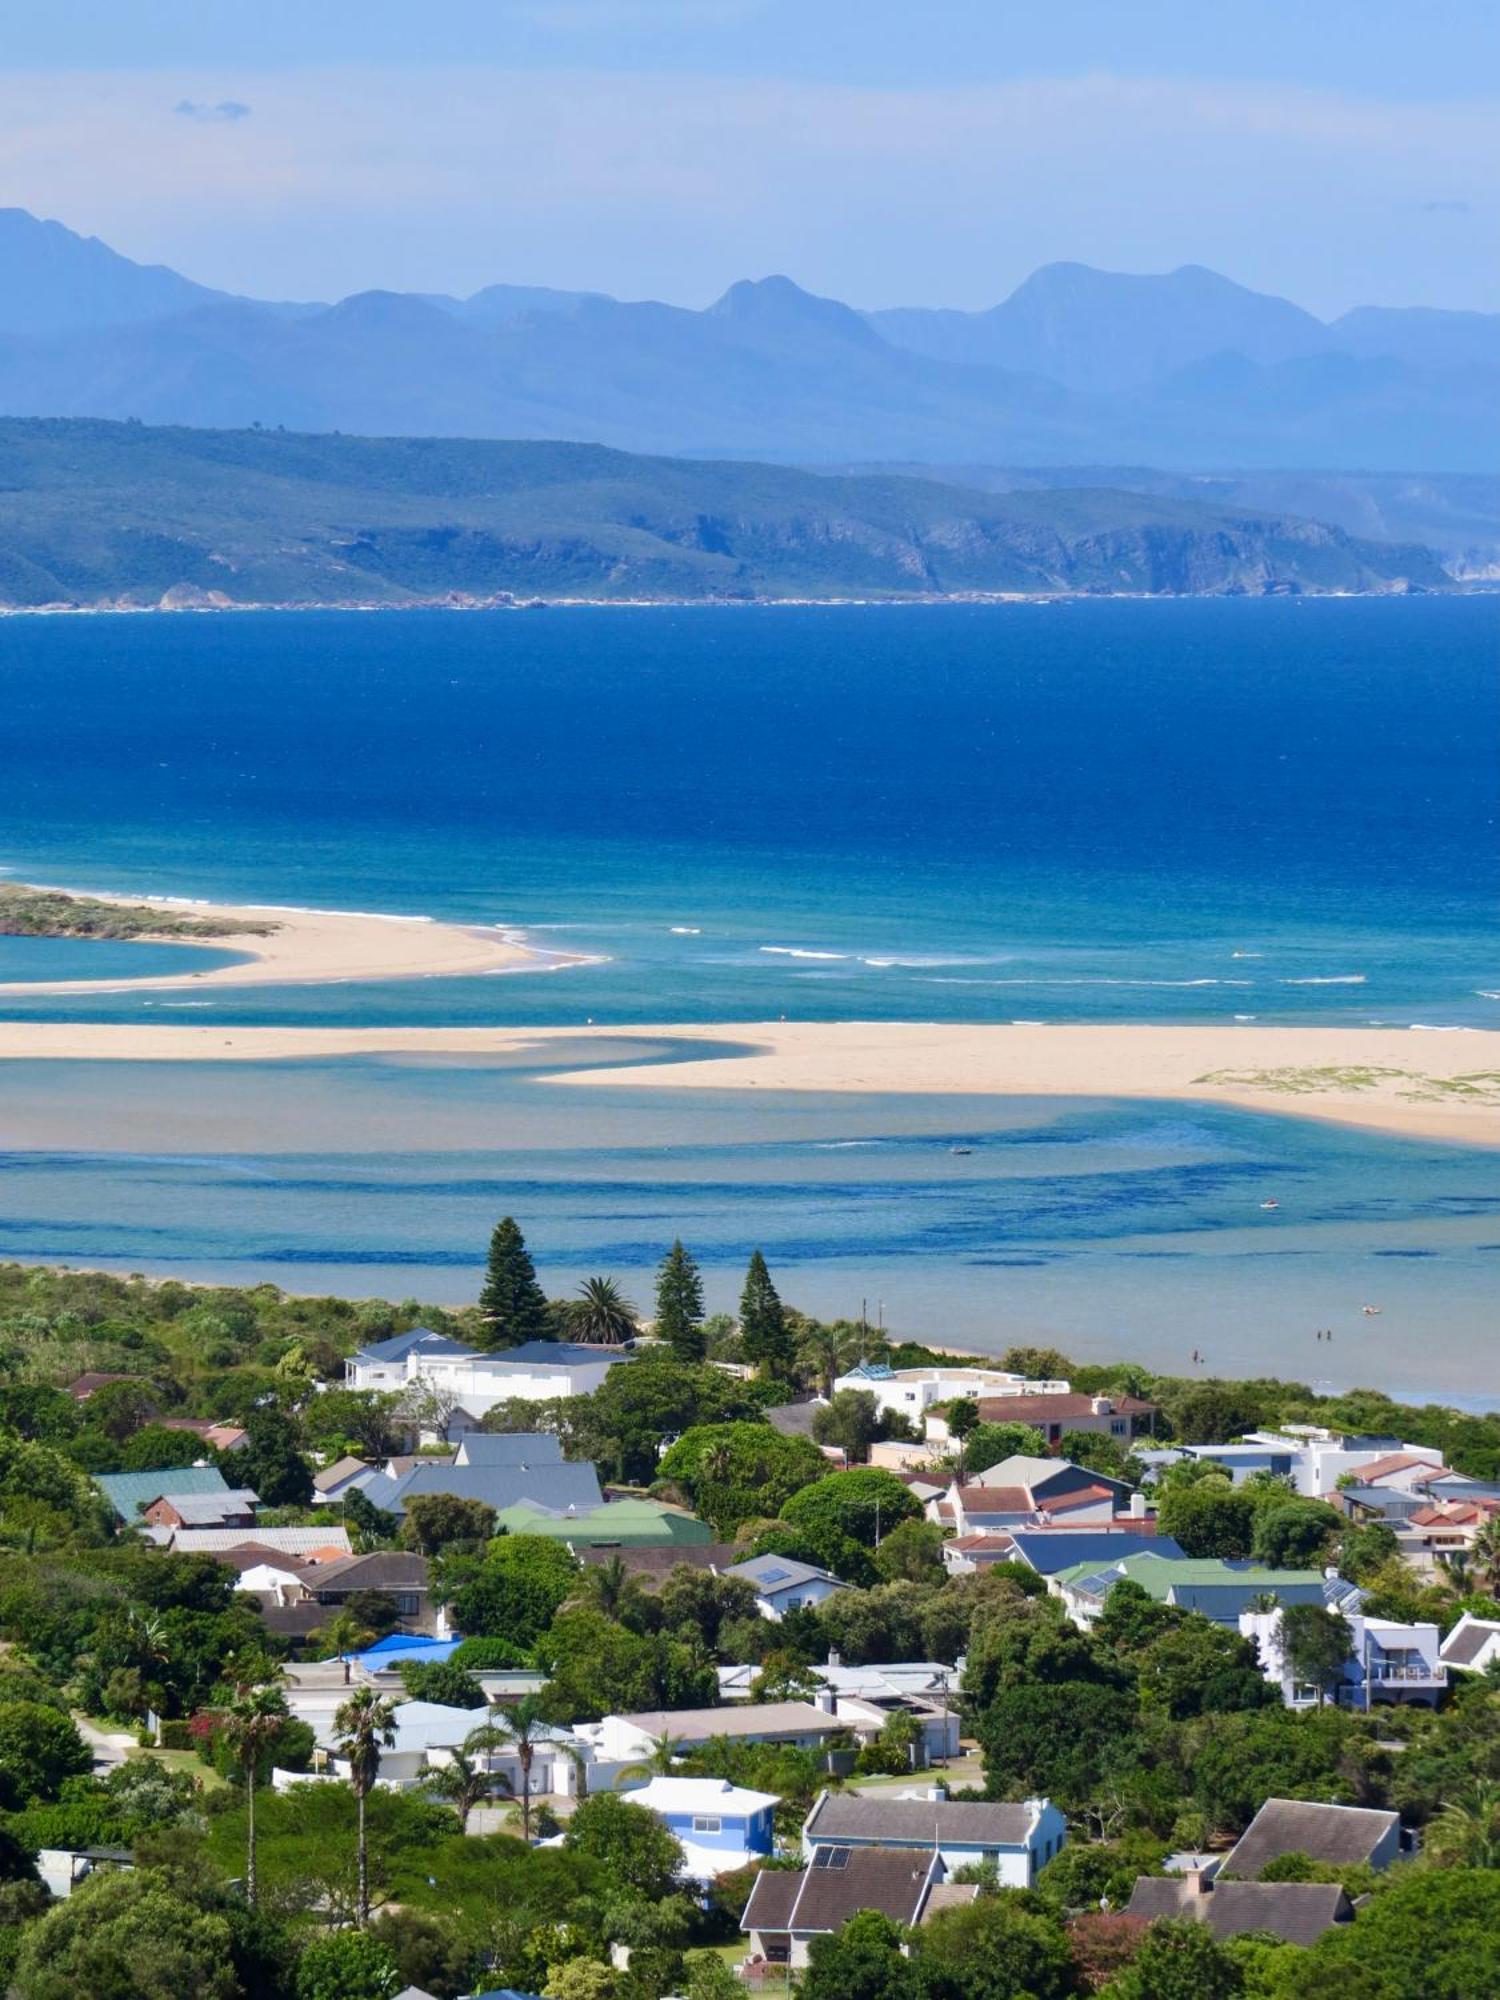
x,y
679,1304
513,1304
764,1337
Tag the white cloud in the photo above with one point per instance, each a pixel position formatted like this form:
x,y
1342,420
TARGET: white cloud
x,y
448,178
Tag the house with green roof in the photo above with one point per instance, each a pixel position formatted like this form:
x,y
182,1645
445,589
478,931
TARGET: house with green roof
x,y
130,1493
624,1524
1217,1589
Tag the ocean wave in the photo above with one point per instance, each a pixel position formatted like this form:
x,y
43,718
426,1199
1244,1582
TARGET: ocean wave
x,y
1483,993
686,930
1245,1017
1101,981
1443,1028
797,951
1247,954
1333,979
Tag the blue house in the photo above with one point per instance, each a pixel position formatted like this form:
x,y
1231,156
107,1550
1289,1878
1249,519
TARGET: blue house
x,y
719,1826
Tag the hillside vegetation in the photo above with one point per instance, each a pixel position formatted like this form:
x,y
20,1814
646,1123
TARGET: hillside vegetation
x,y
98,514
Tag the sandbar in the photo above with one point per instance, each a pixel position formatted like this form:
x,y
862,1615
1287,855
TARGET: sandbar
x,y
1404,1081
315,947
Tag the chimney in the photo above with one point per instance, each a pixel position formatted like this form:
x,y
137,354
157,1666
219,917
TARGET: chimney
x,y
1198,1881
834,1657
1137,1506
1102,1406
827,1700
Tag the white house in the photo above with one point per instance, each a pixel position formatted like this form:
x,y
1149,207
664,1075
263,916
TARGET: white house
x,y
1472,1645
782,1584
911,1392
1312,1458
475,1380
1017,1840
718,1826
1389,1662
427,1731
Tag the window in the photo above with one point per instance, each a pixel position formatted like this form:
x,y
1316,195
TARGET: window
x,y
707,1823
778,1950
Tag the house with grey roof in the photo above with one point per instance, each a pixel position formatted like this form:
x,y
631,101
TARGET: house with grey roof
x,y
233,1508
1017,1840
131,1493
474,1379
782,1584
559,1488
626,1739
1294,1912
509,1448
1472,1645
1343,1836
1219,1590
333,1483
787,1911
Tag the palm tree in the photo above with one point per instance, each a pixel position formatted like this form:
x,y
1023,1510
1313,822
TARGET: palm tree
x,y
1466,1833
252,1723
521,1729
666,1754
602,1313
466,1780
343,1635
606,1586
1484,1555
364,1725
824,1351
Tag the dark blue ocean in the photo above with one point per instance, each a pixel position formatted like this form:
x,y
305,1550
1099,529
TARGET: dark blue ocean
x,y
1144,811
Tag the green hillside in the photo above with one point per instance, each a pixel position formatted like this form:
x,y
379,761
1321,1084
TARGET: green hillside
x,y
95,513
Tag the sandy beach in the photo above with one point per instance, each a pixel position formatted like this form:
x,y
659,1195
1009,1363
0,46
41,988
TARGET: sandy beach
x,y
1407,1082
314,947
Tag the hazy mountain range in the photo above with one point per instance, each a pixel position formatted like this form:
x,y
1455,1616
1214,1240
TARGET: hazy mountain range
x,y
102,514
1077,366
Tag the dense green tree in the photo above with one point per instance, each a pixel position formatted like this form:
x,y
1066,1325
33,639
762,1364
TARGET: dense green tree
x,y
631,1842
156,1447
512,1305
994,1949
987,1444
863,1961
962,1418
1433,1933
269,1462
1199,1668
1317,1645
597,1668
436,1521
869,1626
1180,1961
117,1410
737,1472
622,1425
851,1420
1234,1763
39,1749
1063,1741
39,1413
859,1505
679,1304
1297,1534
1209,1517
765,1339
128,1936
1215,1412
338,1419
514,1591
912,1553
347,1965
696,1603
442,1681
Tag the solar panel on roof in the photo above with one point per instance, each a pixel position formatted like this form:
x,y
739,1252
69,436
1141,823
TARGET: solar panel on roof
x,y
832,1857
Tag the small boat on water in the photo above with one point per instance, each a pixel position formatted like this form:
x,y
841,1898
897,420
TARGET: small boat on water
x,y
961,1150
1370,1312
1270,1204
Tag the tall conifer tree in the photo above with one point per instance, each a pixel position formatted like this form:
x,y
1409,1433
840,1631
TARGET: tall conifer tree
x,y
764,1336
512,1302
679,1304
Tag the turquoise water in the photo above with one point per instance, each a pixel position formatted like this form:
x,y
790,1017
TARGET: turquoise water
x,y
1195,811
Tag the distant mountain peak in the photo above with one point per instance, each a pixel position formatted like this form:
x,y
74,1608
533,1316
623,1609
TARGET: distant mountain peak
x,y
54,281
779,306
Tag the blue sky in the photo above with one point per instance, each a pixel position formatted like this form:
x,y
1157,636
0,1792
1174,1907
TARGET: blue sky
x,y
885,151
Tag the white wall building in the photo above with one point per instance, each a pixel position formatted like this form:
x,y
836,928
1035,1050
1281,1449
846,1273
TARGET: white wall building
x,y
1389,1663
475,1380
1016,1840
911,1392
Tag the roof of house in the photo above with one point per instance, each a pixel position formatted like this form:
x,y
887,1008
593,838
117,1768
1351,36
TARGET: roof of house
x,y
558,1354
871,1817
129,1492
254,1555
794,1419
1453,1513
838,1882
1371,1473
770,1575
401,1344
1337,1834
211,1510
616,1522
420,1725
509,1448
294,1621
499,1486
1056,1406
654,1563
1468,1639
1193,1582
1048,1550
1296,1912
223,1437
340,1470
749,1719
286,1541
699,1795
382,1569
